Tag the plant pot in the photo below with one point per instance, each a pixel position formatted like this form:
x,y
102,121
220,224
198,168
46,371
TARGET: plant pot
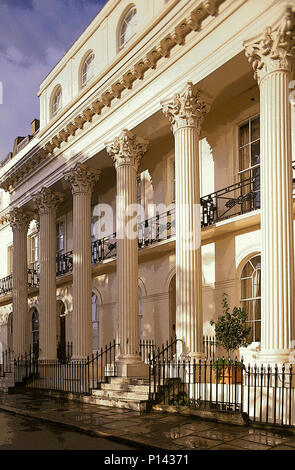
x,y
230,375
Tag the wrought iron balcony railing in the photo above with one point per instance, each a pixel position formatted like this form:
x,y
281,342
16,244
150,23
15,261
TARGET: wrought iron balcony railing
x,y
104,248
6,285
236,199
64,263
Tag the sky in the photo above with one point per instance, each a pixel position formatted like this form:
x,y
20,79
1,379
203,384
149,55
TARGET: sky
x,y
34,35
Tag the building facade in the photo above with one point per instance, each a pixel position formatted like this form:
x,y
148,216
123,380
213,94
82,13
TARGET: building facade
x,y
183,109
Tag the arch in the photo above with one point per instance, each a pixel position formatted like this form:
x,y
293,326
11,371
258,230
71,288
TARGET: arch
x,y
98,294
169,277
64,300
250,300
129,11
85,57
55,103
95,318
142,287
62,352
34,331
247,255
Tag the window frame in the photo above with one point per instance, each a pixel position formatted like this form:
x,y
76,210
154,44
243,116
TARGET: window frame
x,y
239,125
83,83
55,111
121,43
242,301
63,220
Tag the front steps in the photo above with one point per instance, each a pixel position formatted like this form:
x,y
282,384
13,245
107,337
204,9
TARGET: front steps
x,y
120,392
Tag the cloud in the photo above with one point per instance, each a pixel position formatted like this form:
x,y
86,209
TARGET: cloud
x,y
32,41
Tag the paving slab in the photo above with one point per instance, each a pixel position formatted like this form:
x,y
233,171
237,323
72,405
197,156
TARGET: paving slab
x,y
153,430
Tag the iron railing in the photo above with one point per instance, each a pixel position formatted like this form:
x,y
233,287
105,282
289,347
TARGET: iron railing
x,y
68,375
6,285
104,248
64,263
157,228
64,351
209,347
6,362
234,200
269,394
263,394
33,278
147,349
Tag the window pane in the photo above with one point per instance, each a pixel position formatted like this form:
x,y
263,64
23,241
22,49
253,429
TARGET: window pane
x,y
244,135
255,153
246,288
244,158
255,129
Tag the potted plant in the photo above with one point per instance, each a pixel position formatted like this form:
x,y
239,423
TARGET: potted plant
x,y
231,332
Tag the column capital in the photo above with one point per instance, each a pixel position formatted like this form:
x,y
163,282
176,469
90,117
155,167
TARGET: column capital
x,y
275,48
127,149
81,178
19,220
47,200
187,108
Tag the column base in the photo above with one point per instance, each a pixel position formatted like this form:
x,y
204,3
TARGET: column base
x,y
131,366
276,356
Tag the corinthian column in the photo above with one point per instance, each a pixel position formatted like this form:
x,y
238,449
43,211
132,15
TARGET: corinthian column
x,y
19,222
46,202
272,60
126,152
82,180
186,112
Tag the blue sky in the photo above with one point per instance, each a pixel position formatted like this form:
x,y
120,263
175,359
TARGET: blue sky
x,y
34,35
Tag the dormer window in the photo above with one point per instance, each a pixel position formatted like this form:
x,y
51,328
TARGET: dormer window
x,y
56,102
128,27
87,69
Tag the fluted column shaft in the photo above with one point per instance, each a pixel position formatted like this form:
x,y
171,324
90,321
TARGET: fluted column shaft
x,y
82,280
272,60
186,113
20,222
277,213
46,202
127,263
47,287
126,151
82,180
189,305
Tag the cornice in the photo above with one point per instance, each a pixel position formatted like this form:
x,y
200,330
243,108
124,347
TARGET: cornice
x,y
176,37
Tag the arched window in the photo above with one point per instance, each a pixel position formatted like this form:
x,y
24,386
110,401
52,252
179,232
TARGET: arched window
x,y
95,323
35,333
140,311
128,27
87,71
251,294
56,102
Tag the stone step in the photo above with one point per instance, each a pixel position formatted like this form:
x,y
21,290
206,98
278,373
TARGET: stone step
x,y
110,394
125,387
131,404
129,381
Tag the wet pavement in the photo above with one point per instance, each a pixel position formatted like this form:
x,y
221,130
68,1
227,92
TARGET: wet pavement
x,y
146,431
19,433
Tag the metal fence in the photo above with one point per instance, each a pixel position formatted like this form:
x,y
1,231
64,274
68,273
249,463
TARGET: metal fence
x,y
6,362
68,375
264,394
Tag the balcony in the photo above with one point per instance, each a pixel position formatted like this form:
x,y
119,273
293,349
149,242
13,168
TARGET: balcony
x,y
232,201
